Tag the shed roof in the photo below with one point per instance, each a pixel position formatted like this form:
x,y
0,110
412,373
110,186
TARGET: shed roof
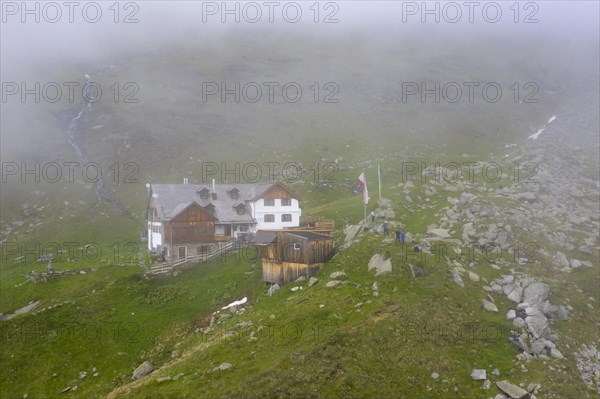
x,y
264,237
309,235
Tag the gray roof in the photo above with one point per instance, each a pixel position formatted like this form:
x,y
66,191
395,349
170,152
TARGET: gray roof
x,y
264,237
309,235
174,198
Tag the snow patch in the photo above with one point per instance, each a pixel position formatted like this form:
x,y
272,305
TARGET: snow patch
x,y
236,303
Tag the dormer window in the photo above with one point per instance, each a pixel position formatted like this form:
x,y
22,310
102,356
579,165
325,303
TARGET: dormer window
x,y
210,208
240,209
204,193
234,193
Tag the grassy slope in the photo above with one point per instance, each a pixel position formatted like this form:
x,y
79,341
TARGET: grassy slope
x,y
388,348
367,352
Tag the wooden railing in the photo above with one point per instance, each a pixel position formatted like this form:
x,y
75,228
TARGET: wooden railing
x,y
166,267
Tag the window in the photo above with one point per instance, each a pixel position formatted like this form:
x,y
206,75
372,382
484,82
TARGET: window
x,y
286,217
234,193
286,202
204,193
210,208
269,218
203,249
269,202
240,209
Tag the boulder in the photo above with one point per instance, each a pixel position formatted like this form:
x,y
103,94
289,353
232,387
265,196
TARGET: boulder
x,y
537,347
562,312
143,370
479,374
496,288
489,306
312,281
350,232
537,326
536,293
416,271
457,279
338,276
273,289
512,390
473,276
561,259
527,196
381,265
516,294
333,283
225,366
507,288
511,315
442,233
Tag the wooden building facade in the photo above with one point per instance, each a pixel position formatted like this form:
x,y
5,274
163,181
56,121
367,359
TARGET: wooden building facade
x,y
287,255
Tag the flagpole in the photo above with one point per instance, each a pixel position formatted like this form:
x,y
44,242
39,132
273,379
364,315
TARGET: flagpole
x,y
365,202
379,179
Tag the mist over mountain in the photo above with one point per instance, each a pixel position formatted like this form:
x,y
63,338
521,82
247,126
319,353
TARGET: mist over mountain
x,y
482,118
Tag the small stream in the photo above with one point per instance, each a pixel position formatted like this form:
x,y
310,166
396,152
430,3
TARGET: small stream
x,y
75,137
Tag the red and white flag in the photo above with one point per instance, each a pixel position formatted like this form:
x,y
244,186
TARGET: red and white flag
x,y
362,180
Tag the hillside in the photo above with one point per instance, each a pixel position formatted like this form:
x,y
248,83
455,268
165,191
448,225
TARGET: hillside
x,y
500,198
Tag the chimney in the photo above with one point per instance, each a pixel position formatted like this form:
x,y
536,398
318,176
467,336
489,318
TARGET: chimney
x,y
185,180
214,193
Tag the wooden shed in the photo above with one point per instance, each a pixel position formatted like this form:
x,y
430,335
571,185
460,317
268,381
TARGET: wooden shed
x,y
287,255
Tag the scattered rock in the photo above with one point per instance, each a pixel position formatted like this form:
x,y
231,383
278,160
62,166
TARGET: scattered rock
x,y
489,306
511,315
479,374
473,276
535,293
333,283
143,370
273,289
516,294
381,265
416,271
512,390
527,196
435,376
442,233
561,259
457,279
338,276
312,281
225,366
562,313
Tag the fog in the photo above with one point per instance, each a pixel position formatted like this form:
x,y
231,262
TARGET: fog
x,y
150,93
156,25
